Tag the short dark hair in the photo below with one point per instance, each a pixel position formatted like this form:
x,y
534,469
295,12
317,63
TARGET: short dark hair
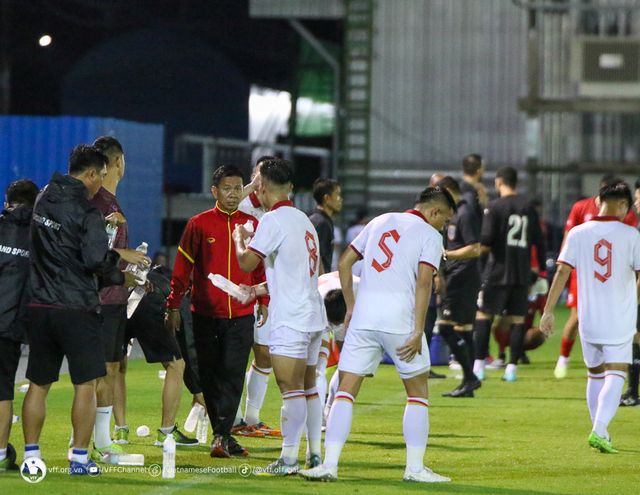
x,y
436,194
277,171
336,306
86,156
110,146
264,158
509,176
321,187
225,171
22,192
471,164
608,179
617,190
450,184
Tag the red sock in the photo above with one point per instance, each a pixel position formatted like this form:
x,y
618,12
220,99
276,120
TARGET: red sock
x,y
565,347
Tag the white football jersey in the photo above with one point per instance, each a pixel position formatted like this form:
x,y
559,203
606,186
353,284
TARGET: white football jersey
x,y
392,246
251,206
606,255
288,243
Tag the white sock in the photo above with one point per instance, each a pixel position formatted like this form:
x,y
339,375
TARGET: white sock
x,y
314,421
102,428
32,450
608,401
80,455
257,382
478,366
293,416
321,376
415,426
595,382
510,369
333,390
3,454
563,360
338,428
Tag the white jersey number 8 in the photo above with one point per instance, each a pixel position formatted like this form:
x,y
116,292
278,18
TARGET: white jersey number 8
x,y
517,235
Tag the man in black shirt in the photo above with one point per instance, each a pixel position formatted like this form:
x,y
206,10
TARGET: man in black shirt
x,y
471,186
14,267
461,285
328,198
509,228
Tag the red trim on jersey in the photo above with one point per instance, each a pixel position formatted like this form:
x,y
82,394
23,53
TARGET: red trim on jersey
x,y
428,264
356,251
415,212
253,197
565,263
254,250
606,218
282,203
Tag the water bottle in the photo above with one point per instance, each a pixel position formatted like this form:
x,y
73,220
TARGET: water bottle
x,y
192,419
169,457
139,272
202,430
112,231
248,226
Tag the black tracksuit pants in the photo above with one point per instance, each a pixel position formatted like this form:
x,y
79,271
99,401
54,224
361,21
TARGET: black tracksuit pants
x,y
223,347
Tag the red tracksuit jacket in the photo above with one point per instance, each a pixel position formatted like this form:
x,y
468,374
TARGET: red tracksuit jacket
x,y
207,247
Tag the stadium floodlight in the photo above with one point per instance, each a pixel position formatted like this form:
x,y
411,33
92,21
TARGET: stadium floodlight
x,y
45,40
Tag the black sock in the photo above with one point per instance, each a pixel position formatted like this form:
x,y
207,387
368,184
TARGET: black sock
x,y
516,342
458,348
634,371
482,334
471,348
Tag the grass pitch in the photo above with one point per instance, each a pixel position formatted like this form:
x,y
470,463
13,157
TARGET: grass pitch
x,y
527,437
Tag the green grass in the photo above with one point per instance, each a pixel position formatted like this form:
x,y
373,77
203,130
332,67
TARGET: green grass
x,y
528,437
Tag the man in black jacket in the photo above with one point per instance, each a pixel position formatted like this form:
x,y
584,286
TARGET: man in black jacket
x,y
68,251
14,270
328,196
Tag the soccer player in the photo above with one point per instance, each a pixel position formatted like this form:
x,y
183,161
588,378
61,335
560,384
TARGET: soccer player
x,y
582,211
258,376
113,301
630,397
14,266
288,242
606,255
222,327
461,285
401,253
509,228
328,196
68,250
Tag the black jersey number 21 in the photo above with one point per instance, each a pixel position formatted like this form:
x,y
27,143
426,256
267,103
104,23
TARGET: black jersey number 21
x,y
517,235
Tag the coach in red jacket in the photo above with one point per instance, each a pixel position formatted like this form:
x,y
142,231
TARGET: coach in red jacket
x,y
222,327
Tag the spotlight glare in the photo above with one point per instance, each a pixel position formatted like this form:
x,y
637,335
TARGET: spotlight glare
x,y
45,40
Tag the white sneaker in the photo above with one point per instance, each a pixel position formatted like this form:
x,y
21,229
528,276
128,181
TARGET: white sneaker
x,y
562,368
320,473
496,364
424,476
454,365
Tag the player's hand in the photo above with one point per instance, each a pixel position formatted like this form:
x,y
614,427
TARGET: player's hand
x,y
134,257
172,320
249,294
411,347
240,234
263,314
130,280
116,218
546,323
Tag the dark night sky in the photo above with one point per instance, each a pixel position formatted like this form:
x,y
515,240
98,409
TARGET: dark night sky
x,y
262,50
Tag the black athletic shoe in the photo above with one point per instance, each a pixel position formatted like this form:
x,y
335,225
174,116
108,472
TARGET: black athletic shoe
x,y
524,359
465,389
629,399
434,376
9,462
234,448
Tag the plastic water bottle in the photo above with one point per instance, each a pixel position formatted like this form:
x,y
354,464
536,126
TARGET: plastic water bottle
x,y
202,431
169,457
248,226
139,272
192,419
112,232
